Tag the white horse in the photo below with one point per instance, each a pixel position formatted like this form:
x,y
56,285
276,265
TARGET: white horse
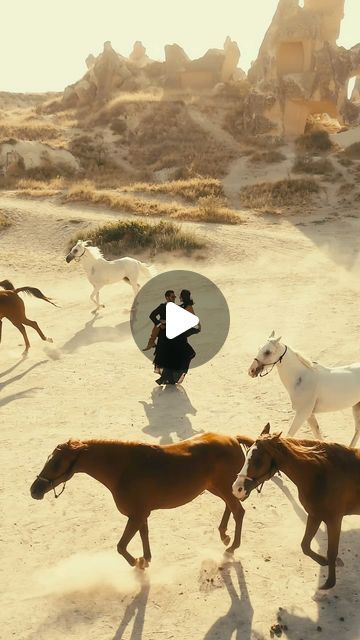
x,y
312,387
100,271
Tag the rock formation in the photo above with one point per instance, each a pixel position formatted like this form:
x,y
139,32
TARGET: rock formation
x,y
110,72
300,64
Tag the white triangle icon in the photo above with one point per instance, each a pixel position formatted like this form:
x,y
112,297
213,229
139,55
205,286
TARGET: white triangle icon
x,y
178,320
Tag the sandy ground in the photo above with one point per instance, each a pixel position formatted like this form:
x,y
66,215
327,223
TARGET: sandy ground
x,y
61,574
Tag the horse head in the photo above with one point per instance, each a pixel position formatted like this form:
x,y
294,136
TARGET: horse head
x,y
58,469
77,251
259,466
270,354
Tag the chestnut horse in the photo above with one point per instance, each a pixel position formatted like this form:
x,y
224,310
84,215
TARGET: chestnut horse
x,y
13,308
143,477
327,476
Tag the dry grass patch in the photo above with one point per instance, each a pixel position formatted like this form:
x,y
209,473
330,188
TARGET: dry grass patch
x,y
4,222
275,196
209,209
40,188
115,237
188,189
29,131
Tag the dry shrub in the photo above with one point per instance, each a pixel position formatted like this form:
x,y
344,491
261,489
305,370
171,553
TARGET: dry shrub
x,y
115,237
322,166
190,190
315,140
268,156
353,151
274,196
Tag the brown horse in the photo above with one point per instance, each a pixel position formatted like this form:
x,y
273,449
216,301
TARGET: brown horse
x,y
327,476
13,308
143,477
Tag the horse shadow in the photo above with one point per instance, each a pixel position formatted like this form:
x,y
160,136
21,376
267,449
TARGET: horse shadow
x,y
338,611
237,621
167,413
135,610
91,334
21,394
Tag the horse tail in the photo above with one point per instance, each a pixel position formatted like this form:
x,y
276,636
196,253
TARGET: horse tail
x,y
147,270
32,291
6,284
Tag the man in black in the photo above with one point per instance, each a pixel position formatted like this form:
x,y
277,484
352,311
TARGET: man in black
x,y
158,317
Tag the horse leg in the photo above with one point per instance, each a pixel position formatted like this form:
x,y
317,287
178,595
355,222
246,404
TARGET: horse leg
x,y
143,562
312,526
314,427
225,538
133,525
34,325
334,530
0,329
22,330
356,414
299,418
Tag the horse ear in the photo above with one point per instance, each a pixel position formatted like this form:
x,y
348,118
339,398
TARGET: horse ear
x,y
277,339
266,429
272,334
277,435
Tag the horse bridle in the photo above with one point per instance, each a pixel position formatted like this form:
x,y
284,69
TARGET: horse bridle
x,y
77,258
266,476
68,472
256,482
270,364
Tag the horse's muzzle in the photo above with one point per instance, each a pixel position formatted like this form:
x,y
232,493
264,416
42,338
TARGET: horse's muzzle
x,y
255,370
69,257
38,489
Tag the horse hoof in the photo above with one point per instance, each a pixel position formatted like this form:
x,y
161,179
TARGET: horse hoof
x,y
229,551
141,563
49,340
225,540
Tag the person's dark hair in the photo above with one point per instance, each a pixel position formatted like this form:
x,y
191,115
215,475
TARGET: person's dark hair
x,y
168,293
185,295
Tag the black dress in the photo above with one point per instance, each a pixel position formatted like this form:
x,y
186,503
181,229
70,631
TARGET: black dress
x,y
173,356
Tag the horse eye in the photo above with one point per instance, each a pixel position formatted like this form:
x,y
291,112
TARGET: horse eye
x,y
267,352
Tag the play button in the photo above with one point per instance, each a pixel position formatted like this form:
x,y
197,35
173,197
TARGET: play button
x,y
158,317
178,320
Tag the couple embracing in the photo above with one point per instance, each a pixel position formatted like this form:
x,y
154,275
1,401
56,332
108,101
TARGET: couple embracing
x,y
172,357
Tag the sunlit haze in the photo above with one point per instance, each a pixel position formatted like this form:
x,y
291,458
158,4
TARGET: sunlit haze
x,y
44,44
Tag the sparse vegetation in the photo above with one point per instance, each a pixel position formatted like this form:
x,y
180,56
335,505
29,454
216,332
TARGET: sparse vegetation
x,y
167,137
29,131
315,140
276,196
114,237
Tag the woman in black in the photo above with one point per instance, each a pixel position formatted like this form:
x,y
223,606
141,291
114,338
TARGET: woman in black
x,y
173,356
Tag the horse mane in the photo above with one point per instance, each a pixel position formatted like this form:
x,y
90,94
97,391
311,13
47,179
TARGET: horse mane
x,y
73,445
314,451
94,251
308,363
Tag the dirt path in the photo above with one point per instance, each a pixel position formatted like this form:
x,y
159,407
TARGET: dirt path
x,y
62,574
